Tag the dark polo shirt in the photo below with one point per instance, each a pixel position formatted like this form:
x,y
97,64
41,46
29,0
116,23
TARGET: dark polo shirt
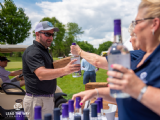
x,y
36,56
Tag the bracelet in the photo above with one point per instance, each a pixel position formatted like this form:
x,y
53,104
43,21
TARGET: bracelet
x,y
80,52
143,90
97,92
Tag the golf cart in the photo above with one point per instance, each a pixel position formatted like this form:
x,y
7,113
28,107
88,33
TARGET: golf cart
x,y
11,100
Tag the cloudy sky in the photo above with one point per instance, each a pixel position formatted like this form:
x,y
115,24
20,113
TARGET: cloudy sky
x,y
94,16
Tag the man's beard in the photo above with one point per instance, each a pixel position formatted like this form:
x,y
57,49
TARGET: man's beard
x,y
44,43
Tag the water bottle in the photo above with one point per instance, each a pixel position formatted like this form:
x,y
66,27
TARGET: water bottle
x,y
101,105
71,109
118,54
37,113
56,114
78,117
94,111
86,115
78,110
19,115
65,114
99,109
78,73
48,117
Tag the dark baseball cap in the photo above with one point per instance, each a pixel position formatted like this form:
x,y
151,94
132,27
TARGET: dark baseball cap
x,y
4,59
45,25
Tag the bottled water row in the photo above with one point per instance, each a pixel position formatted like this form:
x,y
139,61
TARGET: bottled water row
x,y
90,112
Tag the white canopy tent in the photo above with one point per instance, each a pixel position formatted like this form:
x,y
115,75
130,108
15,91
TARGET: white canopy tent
x,y
12,48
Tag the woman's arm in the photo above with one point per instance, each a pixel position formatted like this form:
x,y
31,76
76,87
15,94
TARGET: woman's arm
x,y
89,94
92,58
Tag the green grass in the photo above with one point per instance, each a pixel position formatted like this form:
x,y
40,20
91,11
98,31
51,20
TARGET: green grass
x,y
68,84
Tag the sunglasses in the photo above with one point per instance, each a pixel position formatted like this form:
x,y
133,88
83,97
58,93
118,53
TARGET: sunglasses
x,y
47,34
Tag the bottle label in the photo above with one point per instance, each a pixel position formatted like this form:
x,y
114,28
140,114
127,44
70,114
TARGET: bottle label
x,y
78,60
121,59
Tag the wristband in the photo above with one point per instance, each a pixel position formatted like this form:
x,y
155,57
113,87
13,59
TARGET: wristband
x,y
97,92
143,90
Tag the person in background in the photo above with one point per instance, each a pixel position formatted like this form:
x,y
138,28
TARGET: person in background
x,y
18,80
136,51
39,73
89,72
142,83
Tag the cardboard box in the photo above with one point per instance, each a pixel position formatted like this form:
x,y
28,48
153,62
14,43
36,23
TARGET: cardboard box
x,y
61,63
93,85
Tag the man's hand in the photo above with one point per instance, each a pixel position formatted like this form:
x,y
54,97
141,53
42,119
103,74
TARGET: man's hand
x,y
70,67
15,73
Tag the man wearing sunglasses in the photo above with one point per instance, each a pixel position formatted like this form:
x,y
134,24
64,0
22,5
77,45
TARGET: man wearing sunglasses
x,y
39,73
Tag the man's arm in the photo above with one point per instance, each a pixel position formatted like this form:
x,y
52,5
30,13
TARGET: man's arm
x,y
48,74
14,73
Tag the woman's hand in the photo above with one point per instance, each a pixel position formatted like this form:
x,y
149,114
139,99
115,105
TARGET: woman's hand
x,y
75,49
86,95
125,80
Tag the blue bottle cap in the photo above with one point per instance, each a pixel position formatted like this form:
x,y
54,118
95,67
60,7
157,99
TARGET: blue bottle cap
x,y
19,115
73,43
78,99
65,110
71,105
47,117
98,106
117,27
86,114
37,112
78,117
94,110
56,114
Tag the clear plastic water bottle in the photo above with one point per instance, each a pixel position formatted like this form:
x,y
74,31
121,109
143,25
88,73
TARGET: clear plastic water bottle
x,y
56,112
99,115
71,109
78,73
19,115
94,111
37,113
118,54
65,113
78,110
86,115
48,117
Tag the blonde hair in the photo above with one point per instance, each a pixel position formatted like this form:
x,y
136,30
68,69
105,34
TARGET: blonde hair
x,y
153,9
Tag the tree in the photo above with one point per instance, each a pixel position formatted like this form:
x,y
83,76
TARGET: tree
x,y
84,45
104,46
57,47
73,32
15,25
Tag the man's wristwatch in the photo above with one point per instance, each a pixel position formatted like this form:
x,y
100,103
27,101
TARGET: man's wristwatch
x,y
143,90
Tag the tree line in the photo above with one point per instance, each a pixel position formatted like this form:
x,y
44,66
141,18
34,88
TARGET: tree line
x,y
15,27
